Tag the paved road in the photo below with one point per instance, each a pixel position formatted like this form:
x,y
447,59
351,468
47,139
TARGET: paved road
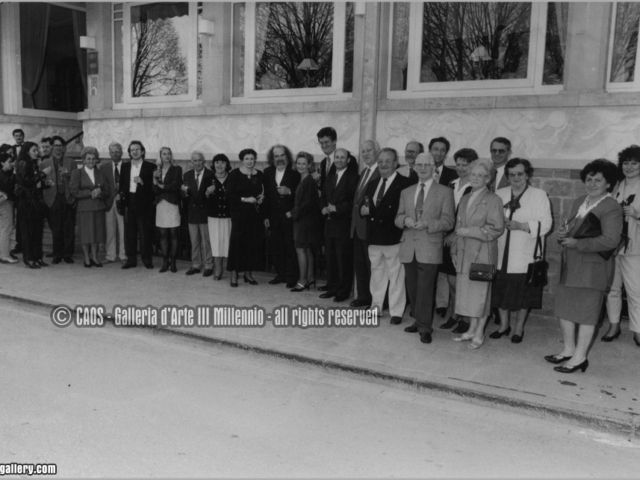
x,y
113,402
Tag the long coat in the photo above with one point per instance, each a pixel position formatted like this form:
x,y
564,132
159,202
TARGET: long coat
x,y
80,187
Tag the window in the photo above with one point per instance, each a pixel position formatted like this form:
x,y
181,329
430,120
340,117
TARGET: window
x,y
292,49
157,52
624,47
442,48
53,66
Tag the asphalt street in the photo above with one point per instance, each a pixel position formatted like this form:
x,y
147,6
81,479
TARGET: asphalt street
x,y
127,402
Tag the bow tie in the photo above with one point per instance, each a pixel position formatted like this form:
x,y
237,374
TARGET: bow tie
x,y
513,205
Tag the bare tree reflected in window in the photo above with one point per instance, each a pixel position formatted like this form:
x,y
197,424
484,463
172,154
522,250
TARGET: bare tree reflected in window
x,y
625,42
159,50
286,34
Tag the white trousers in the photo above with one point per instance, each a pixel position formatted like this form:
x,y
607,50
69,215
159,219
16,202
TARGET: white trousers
x,y
6,225
386,269
115,235
627,273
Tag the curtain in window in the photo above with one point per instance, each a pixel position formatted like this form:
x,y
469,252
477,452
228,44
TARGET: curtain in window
x,y
34,30
159,11
80,29
400,48
562,11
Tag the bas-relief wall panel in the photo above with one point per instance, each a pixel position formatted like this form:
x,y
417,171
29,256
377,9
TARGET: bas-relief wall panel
x,y
35,132
223,134
573,134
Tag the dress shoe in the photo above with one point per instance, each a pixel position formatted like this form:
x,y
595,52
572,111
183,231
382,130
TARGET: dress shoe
x,y
15,251
360,303
463,327
108,260
165,265
148,265
328,294
95,264
497,334
12,255
341,298
555,359
475,344
56,260
249,280
299,288
441,311
8,260
449,323
611,338
32,265
515,338
87,265
324,288
217,277
41,263
128,265
636,340
396,320
411,329
567,369
207,273
276,281
232,283
425,337
68,260
465,337
174,267
291,284
192,271
310,283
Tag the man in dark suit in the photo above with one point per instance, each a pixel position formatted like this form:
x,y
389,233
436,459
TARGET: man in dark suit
x,y
18,136
111,169
383,237
337,203
282,182
136,189
196,183
426,213
328,140
500,153
361,263
439,148
411,152
62,211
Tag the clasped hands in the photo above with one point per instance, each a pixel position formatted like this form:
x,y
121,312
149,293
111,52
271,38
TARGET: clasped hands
x,y
259,199
415,224
96,192
330,208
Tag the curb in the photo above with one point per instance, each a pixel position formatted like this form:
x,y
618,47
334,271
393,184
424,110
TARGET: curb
x,y
629,427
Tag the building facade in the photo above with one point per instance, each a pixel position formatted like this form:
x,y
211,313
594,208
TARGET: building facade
x,y
557,79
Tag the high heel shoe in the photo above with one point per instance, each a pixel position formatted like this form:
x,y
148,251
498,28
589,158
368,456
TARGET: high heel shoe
x,y
636,340
41,263
33,265
217,277
232,283
310,283
565,369
174,267
465,337
498,334
476,344
95,264
611,338
556,358
517,338
87,265
250,281
165,265
300,288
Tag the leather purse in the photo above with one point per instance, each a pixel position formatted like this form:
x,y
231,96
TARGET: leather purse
x,y
537,270
590,228
482,272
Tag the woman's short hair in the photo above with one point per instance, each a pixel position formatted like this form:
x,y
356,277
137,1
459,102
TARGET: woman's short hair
x,y
24,151
89,151
607,168
487,165
248,151
309,157
514,162
631,153
160,154
221,157
468,154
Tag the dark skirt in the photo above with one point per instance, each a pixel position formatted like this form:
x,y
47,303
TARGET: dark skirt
x,y
246,245
31,213
92,227
510,292
578,305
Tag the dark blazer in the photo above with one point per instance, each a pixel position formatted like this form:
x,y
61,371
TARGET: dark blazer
x,y
583,267
106,168
218,205
278,205
447,175
196,200
381,228
172,183
341,195
81,186
504,182
50,193
358,223
144,193
8,184
352,165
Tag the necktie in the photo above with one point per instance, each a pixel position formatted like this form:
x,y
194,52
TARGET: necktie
x,y
365,178
436,175
117,177
420,202
381,192
328,159
413,175
198,180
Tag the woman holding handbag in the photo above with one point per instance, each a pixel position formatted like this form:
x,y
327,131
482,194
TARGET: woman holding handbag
x,y
589,236
627,272
528,218
479,223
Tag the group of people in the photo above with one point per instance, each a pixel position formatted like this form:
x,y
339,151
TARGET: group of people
x,y
423,235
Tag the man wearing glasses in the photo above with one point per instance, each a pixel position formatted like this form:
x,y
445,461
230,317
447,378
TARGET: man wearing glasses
x,y
500,153
62,209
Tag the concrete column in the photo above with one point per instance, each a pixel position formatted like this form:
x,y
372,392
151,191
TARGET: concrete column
x,y
371,57
216,61
11,78
99,27
585,67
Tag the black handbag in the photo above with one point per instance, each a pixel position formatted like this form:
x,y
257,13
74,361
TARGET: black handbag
x,y
482,272
537,271
590,228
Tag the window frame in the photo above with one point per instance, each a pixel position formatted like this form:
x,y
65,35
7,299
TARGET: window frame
x,y
335,92
620,86
532,85
156,101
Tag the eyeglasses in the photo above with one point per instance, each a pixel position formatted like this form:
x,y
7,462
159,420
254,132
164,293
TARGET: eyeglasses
x,y
57,145
516,174
424,165
495,151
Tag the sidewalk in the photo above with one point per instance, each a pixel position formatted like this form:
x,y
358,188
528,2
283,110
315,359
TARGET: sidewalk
x,y
500,373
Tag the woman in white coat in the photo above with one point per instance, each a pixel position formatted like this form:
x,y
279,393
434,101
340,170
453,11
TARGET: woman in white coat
x,y
527,214
627,193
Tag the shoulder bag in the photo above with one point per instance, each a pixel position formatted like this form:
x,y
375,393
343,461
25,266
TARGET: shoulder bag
x,y
482,272
537,270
